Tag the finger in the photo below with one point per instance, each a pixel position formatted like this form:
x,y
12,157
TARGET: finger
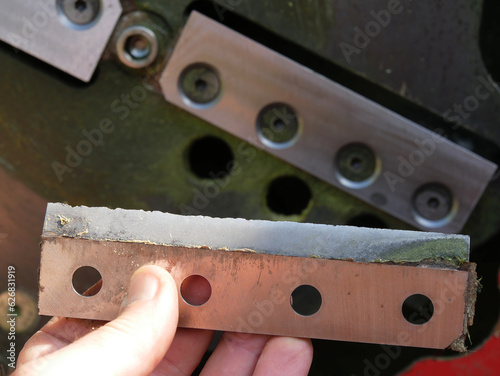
x,y
58,332
136,341
236,354
185,353
285,356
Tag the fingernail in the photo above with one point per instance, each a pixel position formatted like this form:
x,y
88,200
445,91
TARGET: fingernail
x,y
143,286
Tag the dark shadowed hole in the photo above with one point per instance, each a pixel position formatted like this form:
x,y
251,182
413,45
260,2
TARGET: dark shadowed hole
x,y
138,47
84,278
433,203
200,85
288,195
196,290
278,124
356,163
80,5
210,158
417,309
306,300
367,220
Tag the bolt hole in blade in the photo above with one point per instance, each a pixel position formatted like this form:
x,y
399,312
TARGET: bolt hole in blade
x,y
418,309
84,279
306,300
196,290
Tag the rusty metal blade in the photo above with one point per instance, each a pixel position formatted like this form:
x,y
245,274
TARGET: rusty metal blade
x,y
254,292
281,238
251,292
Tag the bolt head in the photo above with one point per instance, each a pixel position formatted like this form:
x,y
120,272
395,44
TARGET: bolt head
x,y
200,84
277,125
80,12
433,202
356,162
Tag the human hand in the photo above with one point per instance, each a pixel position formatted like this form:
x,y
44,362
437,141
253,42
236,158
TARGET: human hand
x,y
144,340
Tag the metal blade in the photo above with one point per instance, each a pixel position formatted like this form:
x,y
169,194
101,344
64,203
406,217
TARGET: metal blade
x,y
276,238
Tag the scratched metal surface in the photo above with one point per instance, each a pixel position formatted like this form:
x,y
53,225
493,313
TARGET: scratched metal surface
x,y
241,282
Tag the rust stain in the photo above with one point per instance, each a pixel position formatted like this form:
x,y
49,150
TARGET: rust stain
x,y
244,284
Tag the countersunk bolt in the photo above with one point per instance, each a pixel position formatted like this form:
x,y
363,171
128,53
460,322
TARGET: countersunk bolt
x,y
80,12
277,125
433,201
356,162
200,84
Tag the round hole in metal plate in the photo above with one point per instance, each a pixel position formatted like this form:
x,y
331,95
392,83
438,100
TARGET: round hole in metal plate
x,y
210,157
196,290
86,281
417,309
306,300
288,195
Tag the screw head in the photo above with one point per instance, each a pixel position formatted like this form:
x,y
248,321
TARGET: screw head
x,y
277,125
433,202
356,165
80,12
200,84
137,46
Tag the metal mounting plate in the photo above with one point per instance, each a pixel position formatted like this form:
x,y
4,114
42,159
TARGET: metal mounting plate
x,y
38,28
330,116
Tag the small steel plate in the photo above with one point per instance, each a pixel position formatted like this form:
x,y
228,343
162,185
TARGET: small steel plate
x,y
327,117
42,29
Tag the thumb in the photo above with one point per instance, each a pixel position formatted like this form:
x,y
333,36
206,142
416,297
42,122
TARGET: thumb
x,y
136,341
